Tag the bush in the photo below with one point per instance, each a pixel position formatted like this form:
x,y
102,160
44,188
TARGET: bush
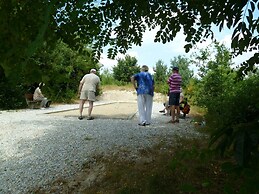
x,y
11,96
236,125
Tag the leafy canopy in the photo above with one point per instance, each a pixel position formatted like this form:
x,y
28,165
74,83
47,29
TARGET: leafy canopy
x,y
24,25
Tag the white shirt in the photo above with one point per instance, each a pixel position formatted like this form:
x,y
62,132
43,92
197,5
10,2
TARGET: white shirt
x,y
90,82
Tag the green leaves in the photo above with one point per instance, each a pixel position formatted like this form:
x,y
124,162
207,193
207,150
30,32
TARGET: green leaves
x,y
26,25
125,69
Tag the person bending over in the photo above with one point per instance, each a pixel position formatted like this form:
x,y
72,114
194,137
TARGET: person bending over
x,y
87,89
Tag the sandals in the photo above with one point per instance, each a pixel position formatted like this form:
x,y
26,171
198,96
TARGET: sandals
x,y
89,118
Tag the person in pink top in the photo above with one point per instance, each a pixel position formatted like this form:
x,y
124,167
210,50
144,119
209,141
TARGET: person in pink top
x,y
175,82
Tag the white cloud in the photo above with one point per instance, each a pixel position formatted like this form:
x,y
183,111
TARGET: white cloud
x,y
226,40
150,52
106,62
149,36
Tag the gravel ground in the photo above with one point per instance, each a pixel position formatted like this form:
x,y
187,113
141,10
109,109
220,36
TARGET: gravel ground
x,y
37,148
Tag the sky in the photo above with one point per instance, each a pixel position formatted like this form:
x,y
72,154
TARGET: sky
x,y
150,52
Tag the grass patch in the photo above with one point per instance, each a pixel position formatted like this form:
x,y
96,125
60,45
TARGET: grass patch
x,y
181,168
184,167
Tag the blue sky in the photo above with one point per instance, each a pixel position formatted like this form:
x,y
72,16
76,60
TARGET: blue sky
x,y
149,53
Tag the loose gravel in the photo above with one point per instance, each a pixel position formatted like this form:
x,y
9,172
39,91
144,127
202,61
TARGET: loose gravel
x,y
37,148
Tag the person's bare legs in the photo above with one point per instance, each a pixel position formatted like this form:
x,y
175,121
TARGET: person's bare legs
x,y
81,107
168,110
177,113
90,108
173,113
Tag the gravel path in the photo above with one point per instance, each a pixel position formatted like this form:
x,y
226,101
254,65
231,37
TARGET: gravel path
x,y
37,148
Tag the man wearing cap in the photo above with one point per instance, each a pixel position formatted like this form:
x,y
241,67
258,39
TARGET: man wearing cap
x,y
87,89
143,82
174,82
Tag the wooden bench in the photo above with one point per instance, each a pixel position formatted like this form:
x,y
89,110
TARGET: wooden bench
x,y
33,104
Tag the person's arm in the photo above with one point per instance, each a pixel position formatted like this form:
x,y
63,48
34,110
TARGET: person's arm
x,y
39,93
80,87
98,85
133,81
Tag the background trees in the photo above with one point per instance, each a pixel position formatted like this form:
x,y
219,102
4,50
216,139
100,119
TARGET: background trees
x,y
125,68
160,77
58,66
231,106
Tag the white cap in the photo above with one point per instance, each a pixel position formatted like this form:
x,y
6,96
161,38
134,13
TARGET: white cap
x,y
41,84
93,71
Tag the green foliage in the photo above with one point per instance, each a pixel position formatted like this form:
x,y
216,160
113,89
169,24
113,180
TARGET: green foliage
x,y
237,126
59,67
160,77
81,23
161,74
232,108
249,177
107,77
125,69
10,98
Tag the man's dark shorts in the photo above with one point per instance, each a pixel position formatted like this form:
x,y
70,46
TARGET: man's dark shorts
x,y
174,99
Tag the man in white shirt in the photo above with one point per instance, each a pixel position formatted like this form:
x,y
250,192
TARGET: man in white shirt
x,y
87,89
38,96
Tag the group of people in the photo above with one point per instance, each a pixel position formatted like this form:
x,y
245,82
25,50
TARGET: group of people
x,y
144,85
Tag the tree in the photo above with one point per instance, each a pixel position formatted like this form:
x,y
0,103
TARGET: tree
x,y
160,72
125,68
25,25
183,63
107,77
59,67
161,75
231,113
217,76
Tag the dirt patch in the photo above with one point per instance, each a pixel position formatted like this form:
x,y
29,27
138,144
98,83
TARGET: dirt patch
x,y
127,96
113,104
162,169
113,110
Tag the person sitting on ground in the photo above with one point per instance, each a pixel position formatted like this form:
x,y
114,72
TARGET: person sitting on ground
x,y
38,96
184,107
166,109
